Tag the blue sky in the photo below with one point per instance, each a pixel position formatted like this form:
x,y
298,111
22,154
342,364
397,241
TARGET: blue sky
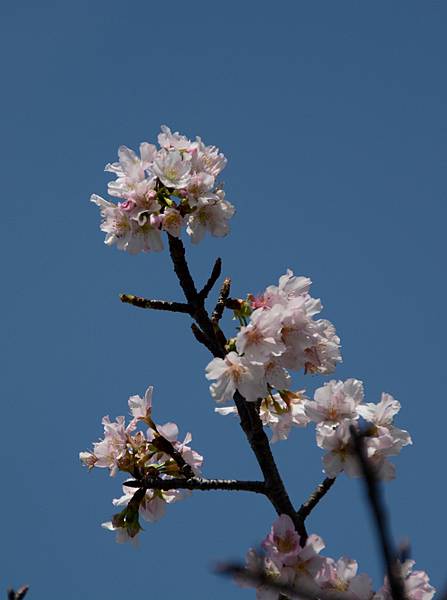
x,y
332,115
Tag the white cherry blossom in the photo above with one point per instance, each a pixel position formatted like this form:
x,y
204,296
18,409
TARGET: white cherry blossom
x,y
236,373
335,401
172,168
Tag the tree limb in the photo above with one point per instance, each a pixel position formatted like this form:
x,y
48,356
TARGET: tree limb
x,y
248,412
198,483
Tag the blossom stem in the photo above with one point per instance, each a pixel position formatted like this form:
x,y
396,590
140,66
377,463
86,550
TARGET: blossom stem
x,y
198,483
155,304
307,507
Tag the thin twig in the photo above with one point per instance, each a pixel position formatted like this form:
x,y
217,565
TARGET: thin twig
x,y
19,594
307,507
198,483
380,516
180,307
220,306
215,274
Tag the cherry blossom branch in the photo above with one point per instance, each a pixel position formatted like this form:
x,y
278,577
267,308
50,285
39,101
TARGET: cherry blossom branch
x,y
155,304
215,274
248,412
320,491
198,483
19,594
380,515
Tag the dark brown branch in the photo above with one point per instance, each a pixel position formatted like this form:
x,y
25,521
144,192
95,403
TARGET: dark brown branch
x,y
220,306
215,274
19,594
177,252
198,483
248,411
380,516
258,440
196,303
201,337
315,497
180,307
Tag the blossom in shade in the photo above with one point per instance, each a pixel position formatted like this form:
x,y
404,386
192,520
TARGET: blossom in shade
x,y
340,455
416,584
382,415
122,535
283,410
341,577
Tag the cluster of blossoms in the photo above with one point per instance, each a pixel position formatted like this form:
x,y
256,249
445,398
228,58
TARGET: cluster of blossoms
x,y
151,453
302,567
164,189
336,406
278,334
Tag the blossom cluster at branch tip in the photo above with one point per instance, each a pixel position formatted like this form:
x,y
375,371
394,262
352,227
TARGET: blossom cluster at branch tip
x,y
165,189
287,562
278,333
151,452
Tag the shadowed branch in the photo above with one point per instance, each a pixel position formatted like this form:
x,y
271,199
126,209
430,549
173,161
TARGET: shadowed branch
x,y
198,483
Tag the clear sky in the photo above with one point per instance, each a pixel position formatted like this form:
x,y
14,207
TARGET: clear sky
x,y
333,117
